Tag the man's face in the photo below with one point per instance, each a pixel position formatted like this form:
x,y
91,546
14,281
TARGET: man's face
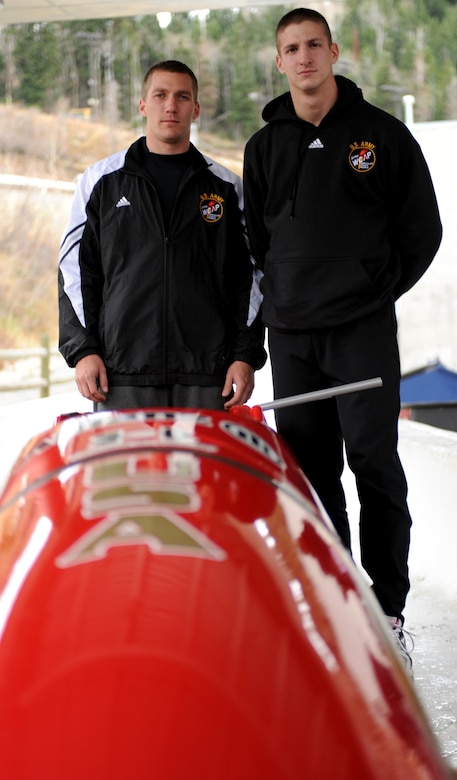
x,y
305,56
170,108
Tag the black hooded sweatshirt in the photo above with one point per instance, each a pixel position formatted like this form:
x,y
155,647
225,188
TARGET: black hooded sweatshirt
x,y
341,217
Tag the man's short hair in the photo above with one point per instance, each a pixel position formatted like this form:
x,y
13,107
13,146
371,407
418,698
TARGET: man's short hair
x,y
170,66
299,15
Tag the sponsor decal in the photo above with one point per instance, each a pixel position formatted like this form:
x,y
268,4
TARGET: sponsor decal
x,y
163,532
211,207
253,440
362,157
140,507
138,492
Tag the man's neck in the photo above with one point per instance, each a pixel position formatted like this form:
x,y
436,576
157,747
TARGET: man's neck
x,y
312,107
160,147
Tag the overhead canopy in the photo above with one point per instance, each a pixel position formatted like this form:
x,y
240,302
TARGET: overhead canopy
x,y
25,11
433,384
429,395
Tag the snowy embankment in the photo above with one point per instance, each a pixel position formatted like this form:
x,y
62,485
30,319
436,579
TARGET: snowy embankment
x,y
429,457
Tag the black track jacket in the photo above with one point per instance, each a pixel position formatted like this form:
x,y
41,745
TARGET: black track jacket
x,y
159,309
341,217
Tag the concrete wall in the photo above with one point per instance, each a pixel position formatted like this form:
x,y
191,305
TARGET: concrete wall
x,y
429,457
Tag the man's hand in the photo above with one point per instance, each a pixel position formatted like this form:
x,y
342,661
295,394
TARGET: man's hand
x,y
90,374
240,375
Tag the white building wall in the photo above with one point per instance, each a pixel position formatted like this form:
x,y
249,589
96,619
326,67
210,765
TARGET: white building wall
x,y
427,314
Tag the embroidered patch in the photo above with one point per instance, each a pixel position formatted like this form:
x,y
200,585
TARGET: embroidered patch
x,y
362,157
211,207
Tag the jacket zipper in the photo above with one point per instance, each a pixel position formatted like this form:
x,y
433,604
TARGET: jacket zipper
x,y
164,312
188,176
184,181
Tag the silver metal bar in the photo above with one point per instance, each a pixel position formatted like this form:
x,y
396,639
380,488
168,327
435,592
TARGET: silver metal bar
x,y
319,395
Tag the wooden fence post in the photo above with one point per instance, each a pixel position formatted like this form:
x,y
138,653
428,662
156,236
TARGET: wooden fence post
x,y
45,389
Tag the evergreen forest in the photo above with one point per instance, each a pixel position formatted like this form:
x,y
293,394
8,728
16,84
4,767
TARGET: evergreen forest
x,y
95,68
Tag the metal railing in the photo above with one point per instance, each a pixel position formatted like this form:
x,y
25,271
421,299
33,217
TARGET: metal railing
x,y
43,377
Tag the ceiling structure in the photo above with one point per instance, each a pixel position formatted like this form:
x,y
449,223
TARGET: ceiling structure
x,y
26,11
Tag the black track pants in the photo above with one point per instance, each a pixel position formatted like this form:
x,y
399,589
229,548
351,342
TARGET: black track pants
x,y
367,422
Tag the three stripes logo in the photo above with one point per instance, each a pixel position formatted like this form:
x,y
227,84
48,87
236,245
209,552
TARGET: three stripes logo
x,y
316,144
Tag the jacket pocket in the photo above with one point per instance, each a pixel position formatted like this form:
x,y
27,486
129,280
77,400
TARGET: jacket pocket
x,y
318,292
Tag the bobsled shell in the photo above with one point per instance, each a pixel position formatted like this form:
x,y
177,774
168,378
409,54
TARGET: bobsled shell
x,y
173,605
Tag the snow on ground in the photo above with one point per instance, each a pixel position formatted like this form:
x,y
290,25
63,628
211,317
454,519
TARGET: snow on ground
x,y
431,617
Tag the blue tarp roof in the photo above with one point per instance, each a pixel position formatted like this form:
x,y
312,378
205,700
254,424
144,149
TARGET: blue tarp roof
x,y
432,384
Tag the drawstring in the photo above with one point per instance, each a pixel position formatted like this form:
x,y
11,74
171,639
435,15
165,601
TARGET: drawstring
x,y
293,191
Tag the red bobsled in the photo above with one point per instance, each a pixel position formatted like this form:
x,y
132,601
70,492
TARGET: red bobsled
x,y
174,605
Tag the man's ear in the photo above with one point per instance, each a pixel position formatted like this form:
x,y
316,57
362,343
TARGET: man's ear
x,y
196,110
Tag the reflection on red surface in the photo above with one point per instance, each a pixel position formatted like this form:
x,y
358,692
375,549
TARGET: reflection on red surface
x,y
173,605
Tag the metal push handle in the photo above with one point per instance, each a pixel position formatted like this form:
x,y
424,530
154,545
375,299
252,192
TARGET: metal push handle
x,y
319,395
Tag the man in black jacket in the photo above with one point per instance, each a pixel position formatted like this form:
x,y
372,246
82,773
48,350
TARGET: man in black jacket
x,y
342,219
158,295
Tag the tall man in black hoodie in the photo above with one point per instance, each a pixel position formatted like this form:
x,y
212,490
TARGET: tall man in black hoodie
x,y
342,219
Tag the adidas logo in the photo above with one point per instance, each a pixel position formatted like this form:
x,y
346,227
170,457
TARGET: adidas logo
x,y
123,202
316,144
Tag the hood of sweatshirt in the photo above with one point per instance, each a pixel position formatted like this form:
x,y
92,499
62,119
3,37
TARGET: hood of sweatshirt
x,y
281,109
